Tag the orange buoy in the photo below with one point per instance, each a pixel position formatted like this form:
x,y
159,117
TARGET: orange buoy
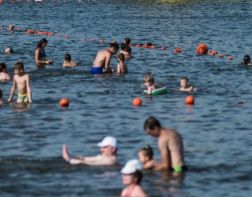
x,y
202,49
178,50
137,101
212,52
64,102
189,100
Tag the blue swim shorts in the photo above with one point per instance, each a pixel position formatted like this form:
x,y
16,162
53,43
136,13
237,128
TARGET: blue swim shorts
x,y
96,70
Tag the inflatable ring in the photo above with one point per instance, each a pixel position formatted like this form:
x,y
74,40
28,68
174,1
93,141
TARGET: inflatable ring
x,y
158,91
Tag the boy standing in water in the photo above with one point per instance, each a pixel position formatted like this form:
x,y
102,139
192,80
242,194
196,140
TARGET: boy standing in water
x,y
170,144
107,157
102,60
21,81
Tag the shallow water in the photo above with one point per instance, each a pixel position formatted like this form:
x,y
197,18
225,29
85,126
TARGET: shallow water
x,y
217,130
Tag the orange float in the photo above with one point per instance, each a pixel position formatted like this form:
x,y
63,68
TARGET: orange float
x,y
137,101
189,100
212,53
201,49
64,102
178,50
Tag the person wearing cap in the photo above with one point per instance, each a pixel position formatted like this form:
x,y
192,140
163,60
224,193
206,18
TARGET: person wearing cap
x,y
170,145
132,177
108,147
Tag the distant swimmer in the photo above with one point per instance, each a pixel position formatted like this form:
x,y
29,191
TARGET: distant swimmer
x,y
185,86
40,54
246,60
4,76
121,66
150,83
68,62
102,60
145,156
8,51
108,148
131,178
170,145
21,81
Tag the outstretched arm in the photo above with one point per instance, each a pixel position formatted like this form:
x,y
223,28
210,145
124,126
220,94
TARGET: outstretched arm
x,y
67,158
13,89
164,164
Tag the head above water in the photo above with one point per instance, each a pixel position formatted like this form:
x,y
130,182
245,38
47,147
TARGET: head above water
x,y
132,172
184,82
121,57
67,57
42,43
246,59
8,50
152,126
148,78
147,152
127,41
125,47
3,67
108,145
18,68
114,47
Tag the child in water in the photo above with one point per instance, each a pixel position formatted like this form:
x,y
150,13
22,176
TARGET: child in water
x,y
121,66
132,177
246,60
149,83
145,156
68,61
4,77
107,157
21,81
185,86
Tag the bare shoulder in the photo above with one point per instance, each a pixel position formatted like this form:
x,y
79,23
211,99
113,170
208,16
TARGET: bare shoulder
x,y
138,191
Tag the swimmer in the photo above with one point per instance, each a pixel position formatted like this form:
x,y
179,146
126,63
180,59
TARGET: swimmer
x,y
145,156
8,51
68,61
121,66
21,81
102,60
1,97
4,77
185,86
170,144
40,54
108,148
11,28
246,60
149,83
131,178
126,50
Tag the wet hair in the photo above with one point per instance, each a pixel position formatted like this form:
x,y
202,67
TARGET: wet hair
x,y
121,57
41,42
125,47
148,78
2,67
8,50
1,93
184,78
246,59
19,66
127,41
147,151
139,176
151,123
114,45
67,57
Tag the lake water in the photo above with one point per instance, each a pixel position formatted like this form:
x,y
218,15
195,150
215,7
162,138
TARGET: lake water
x,y
217,130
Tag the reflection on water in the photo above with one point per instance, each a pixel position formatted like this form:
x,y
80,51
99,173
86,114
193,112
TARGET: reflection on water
x,y
216,130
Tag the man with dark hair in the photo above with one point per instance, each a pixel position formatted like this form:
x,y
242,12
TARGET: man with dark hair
x,y
102,60
170,144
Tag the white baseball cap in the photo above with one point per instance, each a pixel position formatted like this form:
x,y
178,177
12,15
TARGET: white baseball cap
x,y
132,166
108,141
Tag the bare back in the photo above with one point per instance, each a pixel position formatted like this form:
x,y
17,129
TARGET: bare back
x,y
102,59
22,83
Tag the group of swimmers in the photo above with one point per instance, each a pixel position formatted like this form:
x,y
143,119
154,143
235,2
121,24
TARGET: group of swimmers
x,y
170,144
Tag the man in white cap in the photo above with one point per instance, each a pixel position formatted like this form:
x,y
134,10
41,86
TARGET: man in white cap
x,y
108,148
131,178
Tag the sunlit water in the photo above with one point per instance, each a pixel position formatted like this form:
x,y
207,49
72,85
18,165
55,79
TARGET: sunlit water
x,y
217,130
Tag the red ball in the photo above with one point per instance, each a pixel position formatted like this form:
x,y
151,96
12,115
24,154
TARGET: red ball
x,y
64,102
137,101
202,49
189,100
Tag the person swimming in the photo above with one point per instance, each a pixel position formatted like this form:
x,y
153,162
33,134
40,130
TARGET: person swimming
x,y
68,62
246,60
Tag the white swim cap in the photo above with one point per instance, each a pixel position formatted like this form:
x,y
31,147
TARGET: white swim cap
x,y
132,166
108,141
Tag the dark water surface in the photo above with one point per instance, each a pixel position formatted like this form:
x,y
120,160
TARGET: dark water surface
x,y
217,130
